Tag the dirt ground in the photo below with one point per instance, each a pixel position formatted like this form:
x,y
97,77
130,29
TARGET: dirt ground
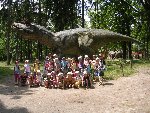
x,y
125,95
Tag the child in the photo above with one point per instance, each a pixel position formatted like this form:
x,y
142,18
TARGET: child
x,y
16,72
87,64
73,64
86,80
64,65
38,78
80,64
27,68
36,66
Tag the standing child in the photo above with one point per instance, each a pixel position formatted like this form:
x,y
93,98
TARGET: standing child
x,y
87,64
36,66
64,65
16,72
27,68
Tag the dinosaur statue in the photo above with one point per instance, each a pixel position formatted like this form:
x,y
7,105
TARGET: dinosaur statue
x,y
68,40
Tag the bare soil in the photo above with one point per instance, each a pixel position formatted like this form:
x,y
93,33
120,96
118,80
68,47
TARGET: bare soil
x,y
124,95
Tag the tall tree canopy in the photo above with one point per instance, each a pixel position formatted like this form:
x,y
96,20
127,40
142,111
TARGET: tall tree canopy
x,y
128,17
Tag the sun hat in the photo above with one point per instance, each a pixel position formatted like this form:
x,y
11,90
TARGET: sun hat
x,y
77,72
16,61
97,58
48,73
93,61
69,58
79,57
47,58
100,54
86,56
54,55
85,72
53,72
38,71
26,60
60,74
69,73
63,58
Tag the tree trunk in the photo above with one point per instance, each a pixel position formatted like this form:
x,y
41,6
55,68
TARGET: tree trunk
x,y
147,46
40,22
29,52
8,47
128,34
37,50
31,56
8,33
41,53
26,50
83,21
21,55
148,21
130,50
146,5
17,48
124,48
46,51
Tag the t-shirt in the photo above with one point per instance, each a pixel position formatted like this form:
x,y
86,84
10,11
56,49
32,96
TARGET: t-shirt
x,y
27,68
16,69
80,65
86,63
63,63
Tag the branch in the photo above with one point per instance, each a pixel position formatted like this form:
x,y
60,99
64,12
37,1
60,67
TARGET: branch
x,y
131,6
146,5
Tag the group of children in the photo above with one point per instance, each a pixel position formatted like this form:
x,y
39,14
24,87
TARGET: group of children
x,y
67,71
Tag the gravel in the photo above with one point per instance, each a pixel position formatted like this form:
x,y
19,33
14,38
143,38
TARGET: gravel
x,y
124,95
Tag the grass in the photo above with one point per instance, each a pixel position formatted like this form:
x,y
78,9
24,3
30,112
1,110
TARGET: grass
x,y
113,69
5,70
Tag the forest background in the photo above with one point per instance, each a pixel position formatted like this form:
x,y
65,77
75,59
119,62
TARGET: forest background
x,y
128,17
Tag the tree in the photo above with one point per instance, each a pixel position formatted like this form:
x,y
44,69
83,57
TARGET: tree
x,y
7,22
146,5
117,15
64,14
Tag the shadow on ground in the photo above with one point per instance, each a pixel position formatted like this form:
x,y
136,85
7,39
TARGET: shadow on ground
x,y
7,87
4,109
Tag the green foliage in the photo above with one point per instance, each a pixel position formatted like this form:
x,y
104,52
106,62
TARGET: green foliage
x,y
114,70
2,48
5,71
129,17
2,52
64,14
55,15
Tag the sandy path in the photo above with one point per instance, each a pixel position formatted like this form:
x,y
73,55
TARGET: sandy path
x,y
125,95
